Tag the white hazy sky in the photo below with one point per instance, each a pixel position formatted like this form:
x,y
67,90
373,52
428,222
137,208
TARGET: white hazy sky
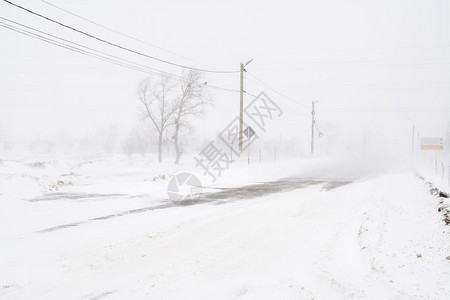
x,y
390,57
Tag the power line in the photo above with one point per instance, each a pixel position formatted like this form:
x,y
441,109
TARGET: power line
x,y
68,47
52,39
355,61
114,44
380,88
119,33
371,84
377,48
376,110
366,65
129,64
123,63
245,92
221,88
274,90
79,45
387,110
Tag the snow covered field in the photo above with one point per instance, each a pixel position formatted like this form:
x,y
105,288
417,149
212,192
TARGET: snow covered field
x,y
104,229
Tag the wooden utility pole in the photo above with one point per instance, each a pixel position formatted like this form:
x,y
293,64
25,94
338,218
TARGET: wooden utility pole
x,y
248,138
241,111
313,123
259,153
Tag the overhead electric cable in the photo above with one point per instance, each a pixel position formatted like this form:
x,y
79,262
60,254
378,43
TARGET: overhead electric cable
x,y
55,40
274,90
68,47
114,44
120,33
89,48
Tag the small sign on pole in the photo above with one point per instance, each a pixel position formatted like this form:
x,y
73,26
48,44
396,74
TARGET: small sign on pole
x,y
249,132
431,143
449,176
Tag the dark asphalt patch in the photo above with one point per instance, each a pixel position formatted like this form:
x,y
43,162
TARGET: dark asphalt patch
x,y
230,194
81,196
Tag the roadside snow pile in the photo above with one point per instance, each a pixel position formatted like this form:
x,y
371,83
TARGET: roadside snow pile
x,y
443,199
19,186
18,180
403,245
434,172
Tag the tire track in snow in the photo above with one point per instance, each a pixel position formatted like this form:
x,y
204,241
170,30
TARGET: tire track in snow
x,y
224,195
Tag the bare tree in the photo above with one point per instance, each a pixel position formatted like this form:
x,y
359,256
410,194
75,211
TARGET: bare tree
x,y
157,99
192,101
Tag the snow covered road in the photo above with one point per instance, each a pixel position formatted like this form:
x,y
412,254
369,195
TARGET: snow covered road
x,y
297,238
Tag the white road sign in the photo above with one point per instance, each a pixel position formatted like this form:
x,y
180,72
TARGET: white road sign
x,y
431,143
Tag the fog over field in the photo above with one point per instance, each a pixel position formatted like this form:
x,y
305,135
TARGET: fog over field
x,y
125,170
371,66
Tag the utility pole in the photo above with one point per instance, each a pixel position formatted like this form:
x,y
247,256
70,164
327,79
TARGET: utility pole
x,y
418,140
365,143
435,163
231,152
259,153
413,137
241,111
248,139
313,123
275,157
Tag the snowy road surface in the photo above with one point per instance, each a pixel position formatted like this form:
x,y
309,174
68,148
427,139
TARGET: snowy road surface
x,y
379,237
222,195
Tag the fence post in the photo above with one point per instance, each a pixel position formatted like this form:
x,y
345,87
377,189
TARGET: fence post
x,y
435,167
259,154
